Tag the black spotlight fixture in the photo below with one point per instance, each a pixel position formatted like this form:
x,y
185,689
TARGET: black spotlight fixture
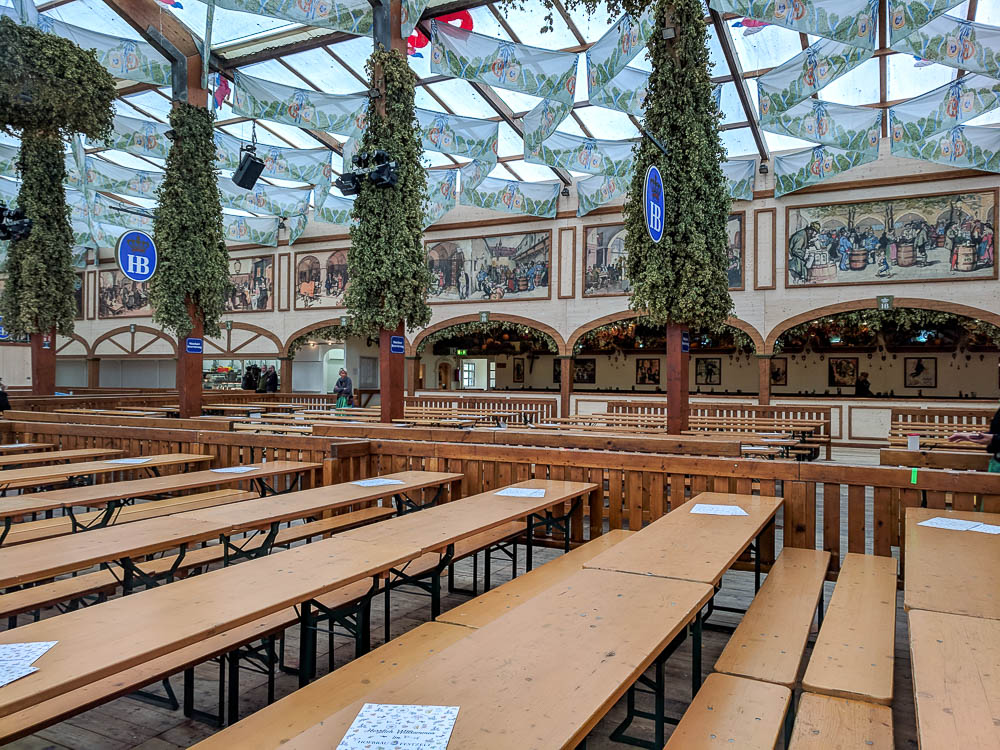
x,y
13,224
348,183
383,174
251,165
763,167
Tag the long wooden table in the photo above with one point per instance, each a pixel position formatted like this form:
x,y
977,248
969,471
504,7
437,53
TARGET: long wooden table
x,y
957,572
692,546
111,495
543,675
56,457
24,447
39,475
956,680
48,558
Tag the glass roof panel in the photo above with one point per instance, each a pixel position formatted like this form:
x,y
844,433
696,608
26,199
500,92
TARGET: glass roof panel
x,y
326,73
461,98
509,143
228,25
84,12
533,172
738,143
767,48
732,109
146,104
860,86
592,26
527,25
484,22
906,79
607,123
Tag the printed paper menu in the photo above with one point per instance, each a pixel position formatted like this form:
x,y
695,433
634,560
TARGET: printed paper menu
x,y
381,726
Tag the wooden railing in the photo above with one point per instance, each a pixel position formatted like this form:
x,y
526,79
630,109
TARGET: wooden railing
x,y
526,409
960,419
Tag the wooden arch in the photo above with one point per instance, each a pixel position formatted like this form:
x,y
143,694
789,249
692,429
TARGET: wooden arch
x,y
132,350
411,349
749,330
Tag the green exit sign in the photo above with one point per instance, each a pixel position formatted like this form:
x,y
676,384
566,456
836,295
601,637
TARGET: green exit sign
x,y
462,352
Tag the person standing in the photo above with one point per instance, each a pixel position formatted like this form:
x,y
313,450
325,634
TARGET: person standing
x,y
4,400
344,390
991,440
862,387
271,380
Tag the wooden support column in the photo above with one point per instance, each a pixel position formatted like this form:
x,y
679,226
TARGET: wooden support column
x,y
189,368
390,375
93,372
677,381
764,378
285,375
43,363
412,375
565,385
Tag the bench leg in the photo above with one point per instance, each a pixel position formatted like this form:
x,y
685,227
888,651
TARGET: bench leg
x,y
696,629
789,721
170,700
191,712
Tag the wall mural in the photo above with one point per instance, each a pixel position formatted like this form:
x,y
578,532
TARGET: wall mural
x,y
78,283
735,250
119,297
604,261
500,267
923,238
253,284
320,279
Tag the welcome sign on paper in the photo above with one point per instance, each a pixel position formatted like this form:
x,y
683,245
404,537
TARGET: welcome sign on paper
x,y
392,727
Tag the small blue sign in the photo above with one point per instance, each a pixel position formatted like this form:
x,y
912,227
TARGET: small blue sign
x,y
4,336
397,345
194,346
653,204
685,342
136,255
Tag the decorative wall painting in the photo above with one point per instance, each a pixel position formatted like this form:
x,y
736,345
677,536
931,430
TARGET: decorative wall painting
x,y
947,237
518,370
511,267
556,371
253,284
843,372
320,279
919,372
708,371
604,261
584,371
779,371
120,297
647,372
78,286
734,251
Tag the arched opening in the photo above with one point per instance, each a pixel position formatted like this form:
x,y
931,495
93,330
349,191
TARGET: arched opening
x,y
911,352
318,351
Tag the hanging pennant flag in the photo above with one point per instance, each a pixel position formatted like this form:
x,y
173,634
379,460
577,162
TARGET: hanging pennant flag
x,y
313,166
809,71
581,154
740,174
114,178
258,99
139,137
336,210
265,199
956,43
943,108
221,92
509,196
442,192
626,92
350,16
906,16
809,166
830,124
296,226
848,21
964,146
750,26
594,192
251,230
171,4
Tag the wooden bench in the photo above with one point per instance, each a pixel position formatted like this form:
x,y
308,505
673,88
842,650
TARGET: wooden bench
x,y
854,652
732,712
770,641
823,722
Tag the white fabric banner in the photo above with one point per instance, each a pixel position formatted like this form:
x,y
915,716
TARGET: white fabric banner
x,y
943,108
830,124
956,43
442,193
581,154
265,199
333,113
849,21
512,197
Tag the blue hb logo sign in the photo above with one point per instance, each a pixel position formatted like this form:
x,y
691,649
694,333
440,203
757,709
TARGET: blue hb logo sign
x,y
136,255
653,204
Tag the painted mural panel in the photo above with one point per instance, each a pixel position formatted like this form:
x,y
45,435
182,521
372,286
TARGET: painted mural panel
x,y
253,284
120,297
604,261
946,237
508,267
320,279
735,250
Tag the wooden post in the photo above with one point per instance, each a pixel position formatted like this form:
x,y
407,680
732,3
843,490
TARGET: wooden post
x,y
189,367
43,363
413,375
285,375
677,380
764,377
565,385
391,375
93,372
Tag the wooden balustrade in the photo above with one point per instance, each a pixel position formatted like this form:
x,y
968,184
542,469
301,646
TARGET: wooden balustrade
x,y
526,409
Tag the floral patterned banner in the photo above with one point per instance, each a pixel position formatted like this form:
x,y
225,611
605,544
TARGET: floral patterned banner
x,y
962,146
139,137
943,108
956,43
250,230
264,100
740,174
582,154
352,16
109,211
8,160
812,165
906,16
296,227
830,124
114,178
312,165
442,192
805,74
509,196
123,58
593,192
458,136
265,199
336,210
626,92
848,21
610,55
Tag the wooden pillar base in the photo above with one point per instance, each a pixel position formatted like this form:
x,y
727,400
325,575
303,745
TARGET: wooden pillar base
x,y
678,376
189,370
764,378
565,385
285,375
43,363
391,376
412,375
93,372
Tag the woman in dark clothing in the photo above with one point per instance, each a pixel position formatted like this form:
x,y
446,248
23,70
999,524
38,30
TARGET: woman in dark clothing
x,y
271,380
344,389
862,387
989,439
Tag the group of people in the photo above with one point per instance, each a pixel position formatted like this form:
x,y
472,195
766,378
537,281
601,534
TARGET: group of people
x,y
497,280
606,277
250,295
334,286
261,381
123,297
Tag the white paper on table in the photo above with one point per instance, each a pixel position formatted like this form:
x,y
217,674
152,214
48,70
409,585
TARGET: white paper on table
x,y
256,415
520,492
130,461
23,653
14,672
134,412
351,421
913,442
235,470
469,416
300,417
954,524
548,424
380,725
718,510
376,482
17,445
986,528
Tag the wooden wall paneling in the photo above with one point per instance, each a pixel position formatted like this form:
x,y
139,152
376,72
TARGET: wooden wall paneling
x,y
566,288
765,243
283,282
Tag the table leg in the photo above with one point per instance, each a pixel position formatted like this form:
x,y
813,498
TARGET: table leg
x,y
696,629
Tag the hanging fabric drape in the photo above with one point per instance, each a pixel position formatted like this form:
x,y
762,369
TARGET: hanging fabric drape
x,y
740,174
336,210
812,165
594,192
250,229
956,43
265,199
943,108
334,113
350,16
852,22
139,137
830,124
963,146
581,154
313,166
512,197
442,193
906,16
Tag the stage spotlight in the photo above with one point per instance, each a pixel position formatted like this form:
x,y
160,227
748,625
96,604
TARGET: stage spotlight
x,y
13,224
347,183
251,165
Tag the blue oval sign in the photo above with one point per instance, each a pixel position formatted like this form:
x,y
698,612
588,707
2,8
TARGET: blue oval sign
x,y
653,204
136,255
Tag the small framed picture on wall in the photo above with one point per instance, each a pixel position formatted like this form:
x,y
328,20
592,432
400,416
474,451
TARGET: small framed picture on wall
x,y
920,372
647,372
519,369
585,371
843,372
779,370
708,371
